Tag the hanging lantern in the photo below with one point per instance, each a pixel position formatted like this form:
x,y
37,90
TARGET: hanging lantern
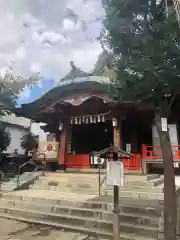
x,y
71,120
87,120
91,120
103,119
99,119
83,120
60,126
114,122
94,121
80,120
76,121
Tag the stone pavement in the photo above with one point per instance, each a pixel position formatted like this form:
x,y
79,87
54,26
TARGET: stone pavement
x,y
13,230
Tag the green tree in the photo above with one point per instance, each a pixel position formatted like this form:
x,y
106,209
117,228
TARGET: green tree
x,y
146,49
11,86
5,138
29,142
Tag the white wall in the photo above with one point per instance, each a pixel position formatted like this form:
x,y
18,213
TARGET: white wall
x,y
25,122
35,129
16,135
172,134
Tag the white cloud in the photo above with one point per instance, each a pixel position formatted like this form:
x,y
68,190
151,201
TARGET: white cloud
x,y
68,24
21,53
40,36
35,67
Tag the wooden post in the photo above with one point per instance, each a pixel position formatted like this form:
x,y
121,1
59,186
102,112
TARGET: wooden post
x,y
170,209
116,211
63,146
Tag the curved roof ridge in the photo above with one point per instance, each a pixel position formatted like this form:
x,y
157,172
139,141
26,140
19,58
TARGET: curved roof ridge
x,y
74,73
105,61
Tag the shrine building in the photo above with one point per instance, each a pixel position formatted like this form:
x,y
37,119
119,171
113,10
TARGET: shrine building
x,y
81,115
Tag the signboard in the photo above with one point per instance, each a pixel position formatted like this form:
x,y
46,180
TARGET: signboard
x,y
176,165
164,124
128,147
115,173
116,137
49,148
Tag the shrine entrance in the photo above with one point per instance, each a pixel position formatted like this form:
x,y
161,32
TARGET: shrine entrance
x,y
87,138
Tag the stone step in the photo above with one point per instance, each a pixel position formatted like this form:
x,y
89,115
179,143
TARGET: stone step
x,y
89,224
69,175
137,189
141,217
66,181
152,176
92,181
103,235
85,190
150,208
61,182
136,192
138,195
90,171
104,202
151,183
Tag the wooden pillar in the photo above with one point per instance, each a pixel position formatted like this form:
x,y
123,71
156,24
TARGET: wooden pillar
x,y
116,210
117,135
63,146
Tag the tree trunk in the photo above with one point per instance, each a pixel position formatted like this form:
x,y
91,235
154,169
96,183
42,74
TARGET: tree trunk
x,y
170,213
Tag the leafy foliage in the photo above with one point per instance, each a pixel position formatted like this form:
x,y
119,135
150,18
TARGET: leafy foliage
x,y
29,142
5,138
146,47
11,86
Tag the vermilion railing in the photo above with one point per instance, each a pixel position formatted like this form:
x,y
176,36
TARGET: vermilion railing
x,y
78,161
133,163
154,152
130,163
83,161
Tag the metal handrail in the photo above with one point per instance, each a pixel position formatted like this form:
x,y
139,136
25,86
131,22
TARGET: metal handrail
x,y
99,179
19,172
24,164
103,180
31,173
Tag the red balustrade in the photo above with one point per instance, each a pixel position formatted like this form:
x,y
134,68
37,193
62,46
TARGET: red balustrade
x,y
130,163
83,161
78,161
133,163
154,152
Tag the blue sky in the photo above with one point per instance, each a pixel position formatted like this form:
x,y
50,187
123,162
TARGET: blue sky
x,y
45,85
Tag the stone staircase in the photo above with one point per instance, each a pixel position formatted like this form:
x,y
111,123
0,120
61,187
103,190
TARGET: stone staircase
x,y
69,182
70,201
148,187
135,186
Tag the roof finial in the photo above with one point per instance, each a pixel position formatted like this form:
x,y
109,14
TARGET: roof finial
x,y
72,65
